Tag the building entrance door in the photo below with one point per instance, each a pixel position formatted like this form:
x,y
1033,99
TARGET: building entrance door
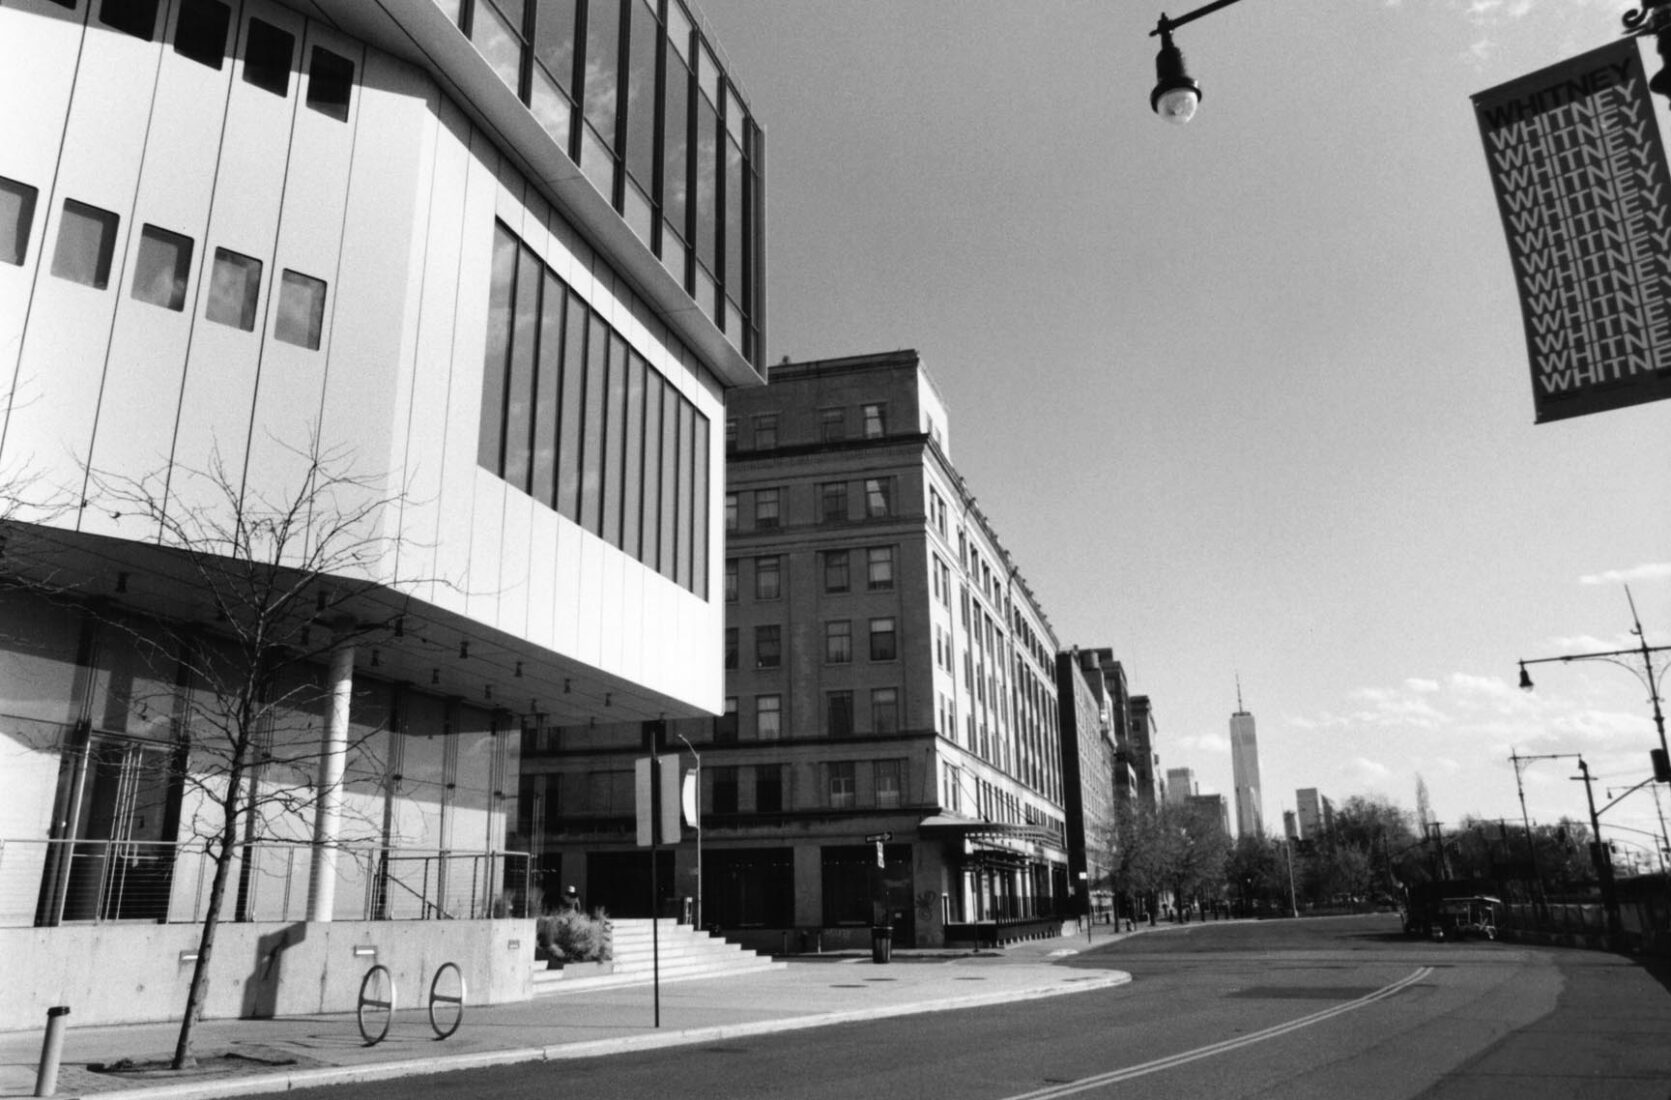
x,y
121,807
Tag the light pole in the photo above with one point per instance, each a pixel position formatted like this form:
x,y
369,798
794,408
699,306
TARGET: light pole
x,y
1603,863
1649,675
696,917
1176,95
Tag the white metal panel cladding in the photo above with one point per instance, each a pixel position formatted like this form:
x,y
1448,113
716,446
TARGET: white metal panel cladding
x,y
146,371
390,204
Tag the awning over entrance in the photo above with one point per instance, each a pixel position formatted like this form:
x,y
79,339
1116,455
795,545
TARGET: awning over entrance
x,y
994,835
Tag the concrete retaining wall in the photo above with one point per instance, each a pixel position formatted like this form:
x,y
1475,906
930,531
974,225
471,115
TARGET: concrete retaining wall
x,y
139,973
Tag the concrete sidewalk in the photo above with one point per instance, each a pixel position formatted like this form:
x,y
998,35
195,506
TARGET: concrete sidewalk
x,y
242,1057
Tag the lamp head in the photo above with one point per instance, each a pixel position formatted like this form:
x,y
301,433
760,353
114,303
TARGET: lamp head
x,y
1176,96
1525,679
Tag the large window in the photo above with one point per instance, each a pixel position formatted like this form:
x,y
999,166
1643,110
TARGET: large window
x,y
838,713
768,578
768,717
768,792
571,414
234,289
884,645
768,646
200,31
724,796
838,642
879,497
836,578
162,269
654,123
890,783
86,244
841,784
879,567
17,213
301,310
832,501
767,508
884,710
875,421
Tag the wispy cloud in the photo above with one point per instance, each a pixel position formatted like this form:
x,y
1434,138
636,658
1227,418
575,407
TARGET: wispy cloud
x,y
1214,743
1371,769
1647,571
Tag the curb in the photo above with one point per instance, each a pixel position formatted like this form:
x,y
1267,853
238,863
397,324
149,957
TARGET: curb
x,y
385,1071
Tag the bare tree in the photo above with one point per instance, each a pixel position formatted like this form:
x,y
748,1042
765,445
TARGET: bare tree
x,y
255,594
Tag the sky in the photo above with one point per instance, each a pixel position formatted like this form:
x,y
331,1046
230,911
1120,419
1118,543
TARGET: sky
x,y
1248,398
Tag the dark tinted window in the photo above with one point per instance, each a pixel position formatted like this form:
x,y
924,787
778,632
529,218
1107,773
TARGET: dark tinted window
x,y
200,32
135,17
267,54
330,83
17,214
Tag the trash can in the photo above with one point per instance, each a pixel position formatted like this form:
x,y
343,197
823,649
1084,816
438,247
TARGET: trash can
x,y
881,943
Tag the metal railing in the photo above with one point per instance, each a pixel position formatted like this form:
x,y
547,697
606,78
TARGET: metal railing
x,y
49,882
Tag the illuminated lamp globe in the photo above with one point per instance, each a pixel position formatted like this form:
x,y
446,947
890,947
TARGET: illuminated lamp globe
x,y
1176,95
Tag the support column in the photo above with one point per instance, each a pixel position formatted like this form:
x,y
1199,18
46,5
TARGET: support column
x,y
327,814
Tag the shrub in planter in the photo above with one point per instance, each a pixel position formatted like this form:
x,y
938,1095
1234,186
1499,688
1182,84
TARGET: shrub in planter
x,y
572,937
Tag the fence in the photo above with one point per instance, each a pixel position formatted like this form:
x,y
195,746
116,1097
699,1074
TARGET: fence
x,y
49,882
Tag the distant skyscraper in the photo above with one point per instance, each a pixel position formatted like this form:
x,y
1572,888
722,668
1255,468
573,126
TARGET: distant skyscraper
x,y
1244,762
1215,807
1311,808
1180,784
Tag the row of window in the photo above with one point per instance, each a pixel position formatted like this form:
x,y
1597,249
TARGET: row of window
x,y
632,93
162,269
575,417
839,716
832,426
838,643
837,573
879,497
200,34
839,785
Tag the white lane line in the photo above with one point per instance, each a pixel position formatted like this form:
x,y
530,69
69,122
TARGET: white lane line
x,y
1116,1076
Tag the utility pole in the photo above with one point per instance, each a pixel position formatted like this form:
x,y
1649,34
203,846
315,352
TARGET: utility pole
x,y
1604,865
1531,850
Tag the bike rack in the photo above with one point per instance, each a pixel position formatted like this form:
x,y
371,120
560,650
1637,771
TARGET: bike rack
x,y
436,997
374,1000
376,1003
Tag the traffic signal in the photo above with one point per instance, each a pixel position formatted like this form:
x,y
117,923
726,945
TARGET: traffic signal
x,y
1662,763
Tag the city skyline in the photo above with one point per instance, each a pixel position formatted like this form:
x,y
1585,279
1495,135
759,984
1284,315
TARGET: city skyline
x,y
1279,349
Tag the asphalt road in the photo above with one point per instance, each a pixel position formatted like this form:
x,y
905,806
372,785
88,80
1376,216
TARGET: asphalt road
x,y
1335,1007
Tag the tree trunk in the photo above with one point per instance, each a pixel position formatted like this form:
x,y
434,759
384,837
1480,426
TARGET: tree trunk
x,y
199,988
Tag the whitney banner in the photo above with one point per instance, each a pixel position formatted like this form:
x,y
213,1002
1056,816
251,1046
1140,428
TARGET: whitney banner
x,y
1580,174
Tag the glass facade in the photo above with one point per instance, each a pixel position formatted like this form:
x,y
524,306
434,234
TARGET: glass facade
x,y
574,416
630,90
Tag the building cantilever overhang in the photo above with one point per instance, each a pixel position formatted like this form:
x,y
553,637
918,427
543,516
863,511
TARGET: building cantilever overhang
x,y
422,34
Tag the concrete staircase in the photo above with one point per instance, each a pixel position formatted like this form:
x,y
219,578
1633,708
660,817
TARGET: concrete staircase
x,y
684,953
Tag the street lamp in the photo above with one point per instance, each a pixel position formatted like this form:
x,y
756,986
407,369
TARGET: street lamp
x,y
1176,94
1649,675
